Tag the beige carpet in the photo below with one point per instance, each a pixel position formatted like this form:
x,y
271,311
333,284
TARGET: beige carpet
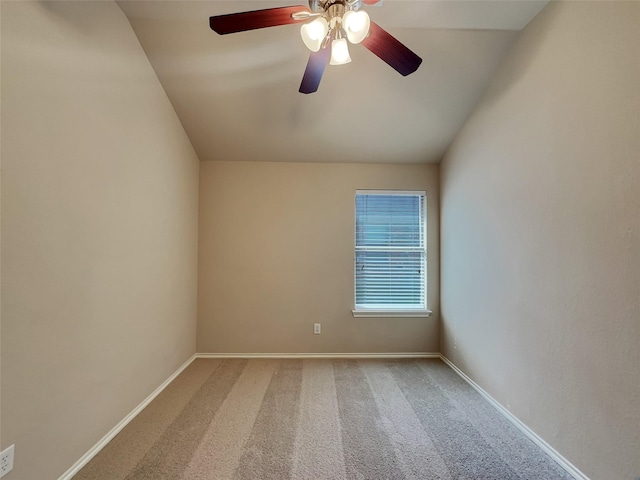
x,y
320,419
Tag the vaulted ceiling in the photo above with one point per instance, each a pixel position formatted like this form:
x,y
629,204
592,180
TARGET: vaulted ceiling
x,y
237,95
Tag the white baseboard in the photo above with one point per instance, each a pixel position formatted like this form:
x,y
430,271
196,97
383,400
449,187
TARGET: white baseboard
x,y
93,451
319,355
533,436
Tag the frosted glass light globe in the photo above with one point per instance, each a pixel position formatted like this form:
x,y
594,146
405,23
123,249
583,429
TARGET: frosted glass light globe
x,y
314,32
356,24
340,52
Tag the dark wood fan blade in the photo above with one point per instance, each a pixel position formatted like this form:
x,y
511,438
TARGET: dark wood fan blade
x,y
389,49
241,22
315,68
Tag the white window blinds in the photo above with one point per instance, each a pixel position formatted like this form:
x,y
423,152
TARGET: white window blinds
x,y
390,251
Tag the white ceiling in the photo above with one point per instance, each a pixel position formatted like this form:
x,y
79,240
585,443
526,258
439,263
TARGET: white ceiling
x,y
237,95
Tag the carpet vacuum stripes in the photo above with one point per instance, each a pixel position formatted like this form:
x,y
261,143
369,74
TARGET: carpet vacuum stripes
x,y
320,419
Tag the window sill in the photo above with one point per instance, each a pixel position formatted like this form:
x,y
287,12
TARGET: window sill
x,y
391,313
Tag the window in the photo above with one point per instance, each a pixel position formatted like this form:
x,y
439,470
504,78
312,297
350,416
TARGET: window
x,y
390,254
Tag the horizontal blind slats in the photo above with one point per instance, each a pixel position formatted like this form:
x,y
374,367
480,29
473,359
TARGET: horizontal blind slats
x,y
390,250
388,220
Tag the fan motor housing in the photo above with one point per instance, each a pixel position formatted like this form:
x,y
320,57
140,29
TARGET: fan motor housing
x,y
324,5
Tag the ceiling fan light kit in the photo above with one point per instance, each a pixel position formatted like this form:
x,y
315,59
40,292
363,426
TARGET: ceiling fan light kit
x,y
327,22
336,24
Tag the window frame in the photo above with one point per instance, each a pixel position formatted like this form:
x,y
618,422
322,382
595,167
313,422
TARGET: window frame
x,y
360,311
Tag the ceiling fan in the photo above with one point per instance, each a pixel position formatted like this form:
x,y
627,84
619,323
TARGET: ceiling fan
x,y
327,27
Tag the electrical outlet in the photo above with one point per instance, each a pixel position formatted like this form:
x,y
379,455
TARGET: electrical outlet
x,y
316,329
6,461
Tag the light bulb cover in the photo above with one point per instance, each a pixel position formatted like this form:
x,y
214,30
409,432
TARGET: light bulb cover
x,y
339,52
313,33
356,24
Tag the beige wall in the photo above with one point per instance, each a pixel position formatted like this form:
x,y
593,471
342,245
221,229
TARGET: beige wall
x,y
276,256
99,231
540,219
